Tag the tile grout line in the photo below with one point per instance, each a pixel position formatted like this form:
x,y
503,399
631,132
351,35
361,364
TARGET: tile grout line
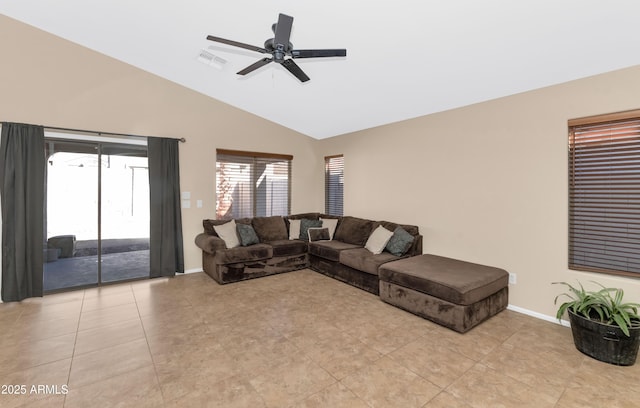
x,y
73,354
146,340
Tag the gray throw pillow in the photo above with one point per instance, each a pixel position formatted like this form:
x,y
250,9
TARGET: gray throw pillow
x,y
305,224
247,235
400,242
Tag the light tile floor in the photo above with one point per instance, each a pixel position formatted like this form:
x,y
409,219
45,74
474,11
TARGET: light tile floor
x,y
298,339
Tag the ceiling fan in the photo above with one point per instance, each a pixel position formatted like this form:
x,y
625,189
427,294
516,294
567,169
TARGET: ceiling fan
x,y
280,48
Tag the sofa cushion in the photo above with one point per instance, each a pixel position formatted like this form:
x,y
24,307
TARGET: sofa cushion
x,y
318,234
305,224
247,235
287,247
228,233
252,253
378,240
354,230
270,228
363,260
308,216
455,281
391,226
400,242
330,249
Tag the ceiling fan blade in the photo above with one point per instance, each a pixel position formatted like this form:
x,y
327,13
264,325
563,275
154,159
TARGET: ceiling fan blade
x,y
318,53
283,31
255,66
237,44
295,70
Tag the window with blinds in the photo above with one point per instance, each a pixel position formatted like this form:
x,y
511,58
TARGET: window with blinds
x,y
604,194
333,184
250,184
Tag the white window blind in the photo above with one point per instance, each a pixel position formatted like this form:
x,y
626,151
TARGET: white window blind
x,y
604,196
334,185
250,184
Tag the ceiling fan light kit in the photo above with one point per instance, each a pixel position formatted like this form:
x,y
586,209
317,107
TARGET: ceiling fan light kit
x,y
281,50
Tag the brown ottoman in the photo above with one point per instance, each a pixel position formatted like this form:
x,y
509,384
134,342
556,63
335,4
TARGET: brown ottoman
x,y
456,294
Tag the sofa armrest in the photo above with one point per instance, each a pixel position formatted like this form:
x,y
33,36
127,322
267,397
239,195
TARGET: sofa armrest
x,y
209,243
416,248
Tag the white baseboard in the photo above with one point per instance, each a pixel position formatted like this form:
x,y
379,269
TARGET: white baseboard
x,y
537,315
195,270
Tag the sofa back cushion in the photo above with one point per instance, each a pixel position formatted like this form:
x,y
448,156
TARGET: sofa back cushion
x,y
309,216
270,228
391,226
354,230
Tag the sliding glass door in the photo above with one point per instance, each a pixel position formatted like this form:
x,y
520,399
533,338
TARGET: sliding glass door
x,y
97,214
124,215
71,194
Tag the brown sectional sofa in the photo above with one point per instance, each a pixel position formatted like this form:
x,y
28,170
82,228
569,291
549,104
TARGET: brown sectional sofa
x,y
275,253
456,294
343,258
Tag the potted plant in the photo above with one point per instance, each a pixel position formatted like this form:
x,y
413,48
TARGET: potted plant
x,y
602,326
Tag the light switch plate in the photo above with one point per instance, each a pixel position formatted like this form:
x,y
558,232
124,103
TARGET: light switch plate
x,y
186,195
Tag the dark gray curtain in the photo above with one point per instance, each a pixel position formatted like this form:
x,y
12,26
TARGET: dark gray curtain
x,y
165,242
22,193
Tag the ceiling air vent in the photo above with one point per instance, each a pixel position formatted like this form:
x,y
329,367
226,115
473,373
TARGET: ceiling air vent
x,y
210,59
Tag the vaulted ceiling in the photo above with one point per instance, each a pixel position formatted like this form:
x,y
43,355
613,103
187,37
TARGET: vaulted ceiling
x,y
405,58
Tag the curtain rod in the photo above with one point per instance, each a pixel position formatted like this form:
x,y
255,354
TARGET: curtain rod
x,y
182,139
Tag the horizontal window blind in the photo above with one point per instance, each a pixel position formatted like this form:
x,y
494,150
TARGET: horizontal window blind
x,y
334,184
604,197
252,185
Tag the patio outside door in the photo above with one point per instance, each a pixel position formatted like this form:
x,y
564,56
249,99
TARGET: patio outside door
x,y
97,214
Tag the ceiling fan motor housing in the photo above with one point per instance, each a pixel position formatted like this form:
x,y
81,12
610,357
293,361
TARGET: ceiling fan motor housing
x,y
279,51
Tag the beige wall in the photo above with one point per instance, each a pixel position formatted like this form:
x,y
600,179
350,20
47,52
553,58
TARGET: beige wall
x,y
49,81
487,183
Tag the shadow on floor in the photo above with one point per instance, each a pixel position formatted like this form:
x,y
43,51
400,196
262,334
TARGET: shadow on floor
x,y
81,270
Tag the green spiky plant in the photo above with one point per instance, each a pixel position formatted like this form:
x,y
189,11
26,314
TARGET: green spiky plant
x,y
604,305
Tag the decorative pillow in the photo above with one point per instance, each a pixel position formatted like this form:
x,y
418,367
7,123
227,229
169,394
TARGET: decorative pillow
x,y
378,240
400,242
247,235
305,224
331,224
318,234
228,233
294,229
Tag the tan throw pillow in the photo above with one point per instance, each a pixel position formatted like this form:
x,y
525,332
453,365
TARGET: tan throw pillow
x,y
294,229
331,224
228,234
378,240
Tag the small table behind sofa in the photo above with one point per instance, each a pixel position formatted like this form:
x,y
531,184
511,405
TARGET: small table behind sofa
x,y
456,294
